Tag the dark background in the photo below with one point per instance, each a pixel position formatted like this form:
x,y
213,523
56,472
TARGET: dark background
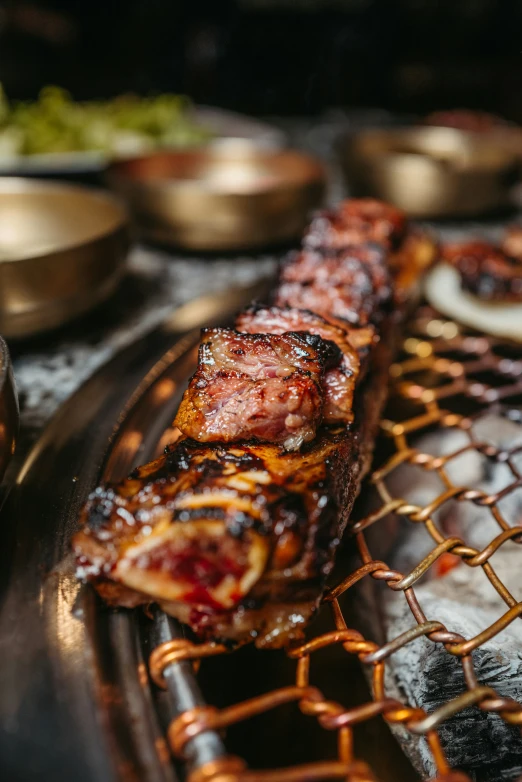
x,y
282,57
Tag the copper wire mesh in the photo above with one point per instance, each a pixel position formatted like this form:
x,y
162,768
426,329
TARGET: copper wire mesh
x,y
444,374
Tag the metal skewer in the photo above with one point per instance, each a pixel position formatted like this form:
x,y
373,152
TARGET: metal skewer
x,y
183,694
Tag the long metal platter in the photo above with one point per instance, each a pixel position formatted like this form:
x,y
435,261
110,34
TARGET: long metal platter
x,y
75,700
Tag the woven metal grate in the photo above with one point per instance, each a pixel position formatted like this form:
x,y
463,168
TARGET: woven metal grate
x,y
445,379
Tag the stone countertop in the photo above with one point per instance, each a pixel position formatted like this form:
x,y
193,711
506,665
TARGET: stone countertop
x,y
51,367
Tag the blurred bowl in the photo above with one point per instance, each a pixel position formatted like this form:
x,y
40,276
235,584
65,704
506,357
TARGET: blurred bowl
x,y
8,409
62,250
233,197
429,171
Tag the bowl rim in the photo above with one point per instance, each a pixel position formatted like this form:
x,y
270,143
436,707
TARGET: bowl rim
x,y
347,143
20,185
313,170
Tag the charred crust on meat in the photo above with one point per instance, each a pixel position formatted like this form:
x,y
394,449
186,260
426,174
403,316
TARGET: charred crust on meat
x,y
490,272
351,283
271,393
357,221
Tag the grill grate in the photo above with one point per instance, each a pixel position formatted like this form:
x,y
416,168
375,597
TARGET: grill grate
x,y
447,378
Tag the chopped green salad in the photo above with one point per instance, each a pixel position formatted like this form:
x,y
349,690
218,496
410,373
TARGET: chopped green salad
x,y
125,125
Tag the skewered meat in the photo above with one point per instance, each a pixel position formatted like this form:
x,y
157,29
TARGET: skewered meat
x,y
349,284
339,382
252,492
237,539
350,267
356,222
489,272
347,266
341,302
261,386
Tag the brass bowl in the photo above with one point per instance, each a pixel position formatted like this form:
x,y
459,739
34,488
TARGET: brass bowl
x,y
232,197
8,409
62,249
429,171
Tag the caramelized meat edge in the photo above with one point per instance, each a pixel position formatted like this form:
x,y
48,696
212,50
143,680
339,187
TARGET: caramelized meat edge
x,y
339,382
493,273
265,387
353,284
355,222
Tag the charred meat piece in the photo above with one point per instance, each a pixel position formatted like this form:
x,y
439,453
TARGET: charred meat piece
x,y
235,540
355,222
339,382
353,284
165,530
488,271
351,306
206,525
342,268
257,386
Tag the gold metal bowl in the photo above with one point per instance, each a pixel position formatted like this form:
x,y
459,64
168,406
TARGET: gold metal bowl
x,y
62,249
429,171
233,197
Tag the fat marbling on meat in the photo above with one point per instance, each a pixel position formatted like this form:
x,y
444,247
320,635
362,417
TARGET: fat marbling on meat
x,y
352,283
339,381
266,387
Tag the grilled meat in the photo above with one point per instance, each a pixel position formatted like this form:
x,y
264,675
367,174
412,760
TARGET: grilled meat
x,y
350,267
356,222
353,284
489,272
237,538
343,303
339,382
257,386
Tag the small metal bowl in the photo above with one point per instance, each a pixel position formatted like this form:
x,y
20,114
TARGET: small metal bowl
x,y
62,249
429,171
232,197
8,409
